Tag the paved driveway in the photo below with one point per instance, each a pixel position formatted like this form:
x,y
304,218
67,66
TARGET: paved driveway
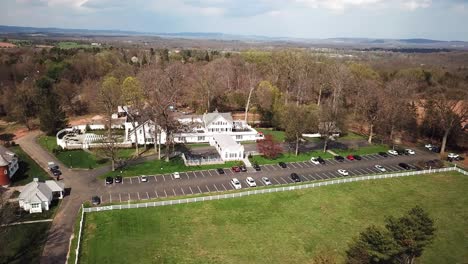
x,y
208,181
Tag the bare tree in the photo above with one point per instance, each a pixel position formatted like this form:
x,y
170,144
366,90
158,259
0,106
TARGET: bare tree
x,y
252,79
110,95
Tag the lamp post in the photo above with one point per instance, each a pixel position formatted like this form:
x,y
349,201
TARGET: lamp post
x,y
71,161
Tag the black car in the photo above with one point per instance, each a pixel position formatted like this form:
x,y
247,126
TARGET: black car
x,y
109,180
383,154
404,166
320,160
257,167
56,172
357,157
295,177
339,158
282,165
220,171
118,179
95,200
243,168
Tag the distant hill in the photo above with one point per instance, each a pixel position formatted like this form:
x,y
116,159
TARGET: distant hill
x,y
347,42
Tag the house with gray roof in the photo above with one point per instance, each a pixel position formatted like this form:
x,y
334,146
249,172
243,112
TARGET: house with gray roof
x,y
37,196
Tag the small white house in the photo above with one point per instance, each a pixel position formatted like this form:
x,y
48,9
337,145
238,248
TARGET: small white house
x,y
37,196
227,147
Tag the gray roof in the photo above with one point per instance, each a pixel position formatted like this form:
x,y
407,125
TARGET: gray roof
x,y
6,156
208,118
35,191
227,142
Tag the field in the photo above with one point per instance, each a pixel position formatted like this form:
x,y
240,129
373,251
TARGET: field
x,y
289,227
79,158
162,167
28,169
73,45
23,243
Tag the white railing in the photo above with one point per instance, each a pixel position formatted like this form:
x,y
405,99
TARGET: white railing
x,y
269,190
77,250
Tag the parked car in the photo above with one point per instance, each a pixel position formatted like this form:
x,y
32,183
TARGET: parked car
x,y
95,200
176,175
383,154
404,166
453,156
243,168
295,177
118,179
257,167
401,151
314,161
251,182
380,168
266,181
143,178
109,180
236,183
52,166
56,172
235,169
357,157
429,146
350,157
410,152
392,152
339,158
321,160
282,165
220,171
343,172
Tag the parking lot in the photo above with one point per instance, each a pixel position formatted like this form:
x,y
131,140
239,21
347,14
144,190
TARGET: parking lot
x,y
209,181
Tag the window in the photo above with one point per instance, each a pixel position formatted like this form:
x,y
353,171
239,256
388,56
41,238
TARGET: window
x,y
34,206
239,137
201,138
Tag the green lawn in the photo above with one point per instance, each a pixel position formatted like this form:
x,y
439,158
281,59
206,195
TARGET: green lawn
x,y
351,136
79,158
277,135
288,227
161,167
362,150
23,243
72,45
290,157
28,169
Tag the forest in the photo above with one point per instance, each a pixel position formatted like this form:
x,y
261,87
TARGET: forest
x,y
388,96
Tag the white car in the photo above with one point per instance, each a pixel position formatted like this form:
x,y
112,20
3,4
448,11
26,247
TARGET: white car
x,y
429,146
251,182
143,178
314,161
343,172
453,156
176,175
410,151
236,183
380,168
392,152
266,181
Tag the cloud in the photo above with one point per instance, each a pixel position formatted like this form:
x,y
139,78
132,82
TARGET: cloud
x,y
416,4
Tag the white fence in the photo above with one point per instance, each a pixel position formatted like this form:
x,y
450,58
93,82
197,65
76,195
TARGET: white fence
x,y
247,193
269,190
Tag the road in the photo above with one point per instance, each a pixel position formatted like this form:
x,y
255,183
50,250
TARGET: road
x,y
84,184
208,181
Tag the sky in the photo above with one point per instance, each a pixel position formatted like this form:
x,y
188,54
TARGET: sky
x,y
315,19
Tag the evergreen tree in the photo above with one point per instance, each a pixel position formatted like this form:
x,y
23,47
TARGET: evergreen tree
x,y
51,116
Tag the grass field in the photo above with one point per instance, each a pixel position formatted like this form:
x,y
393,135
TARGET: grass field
x,y
289,227
277,135
79,158
362,150
290,157
72,45
28,169
161,167
23,243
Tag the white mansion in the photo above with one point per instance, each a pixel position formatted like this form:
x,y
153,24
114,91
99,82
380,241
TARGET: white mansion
x,y
218,129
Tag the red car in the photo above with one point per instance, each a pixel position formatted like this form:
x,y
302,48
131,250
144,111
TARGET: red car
x,y
235,169
350,157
